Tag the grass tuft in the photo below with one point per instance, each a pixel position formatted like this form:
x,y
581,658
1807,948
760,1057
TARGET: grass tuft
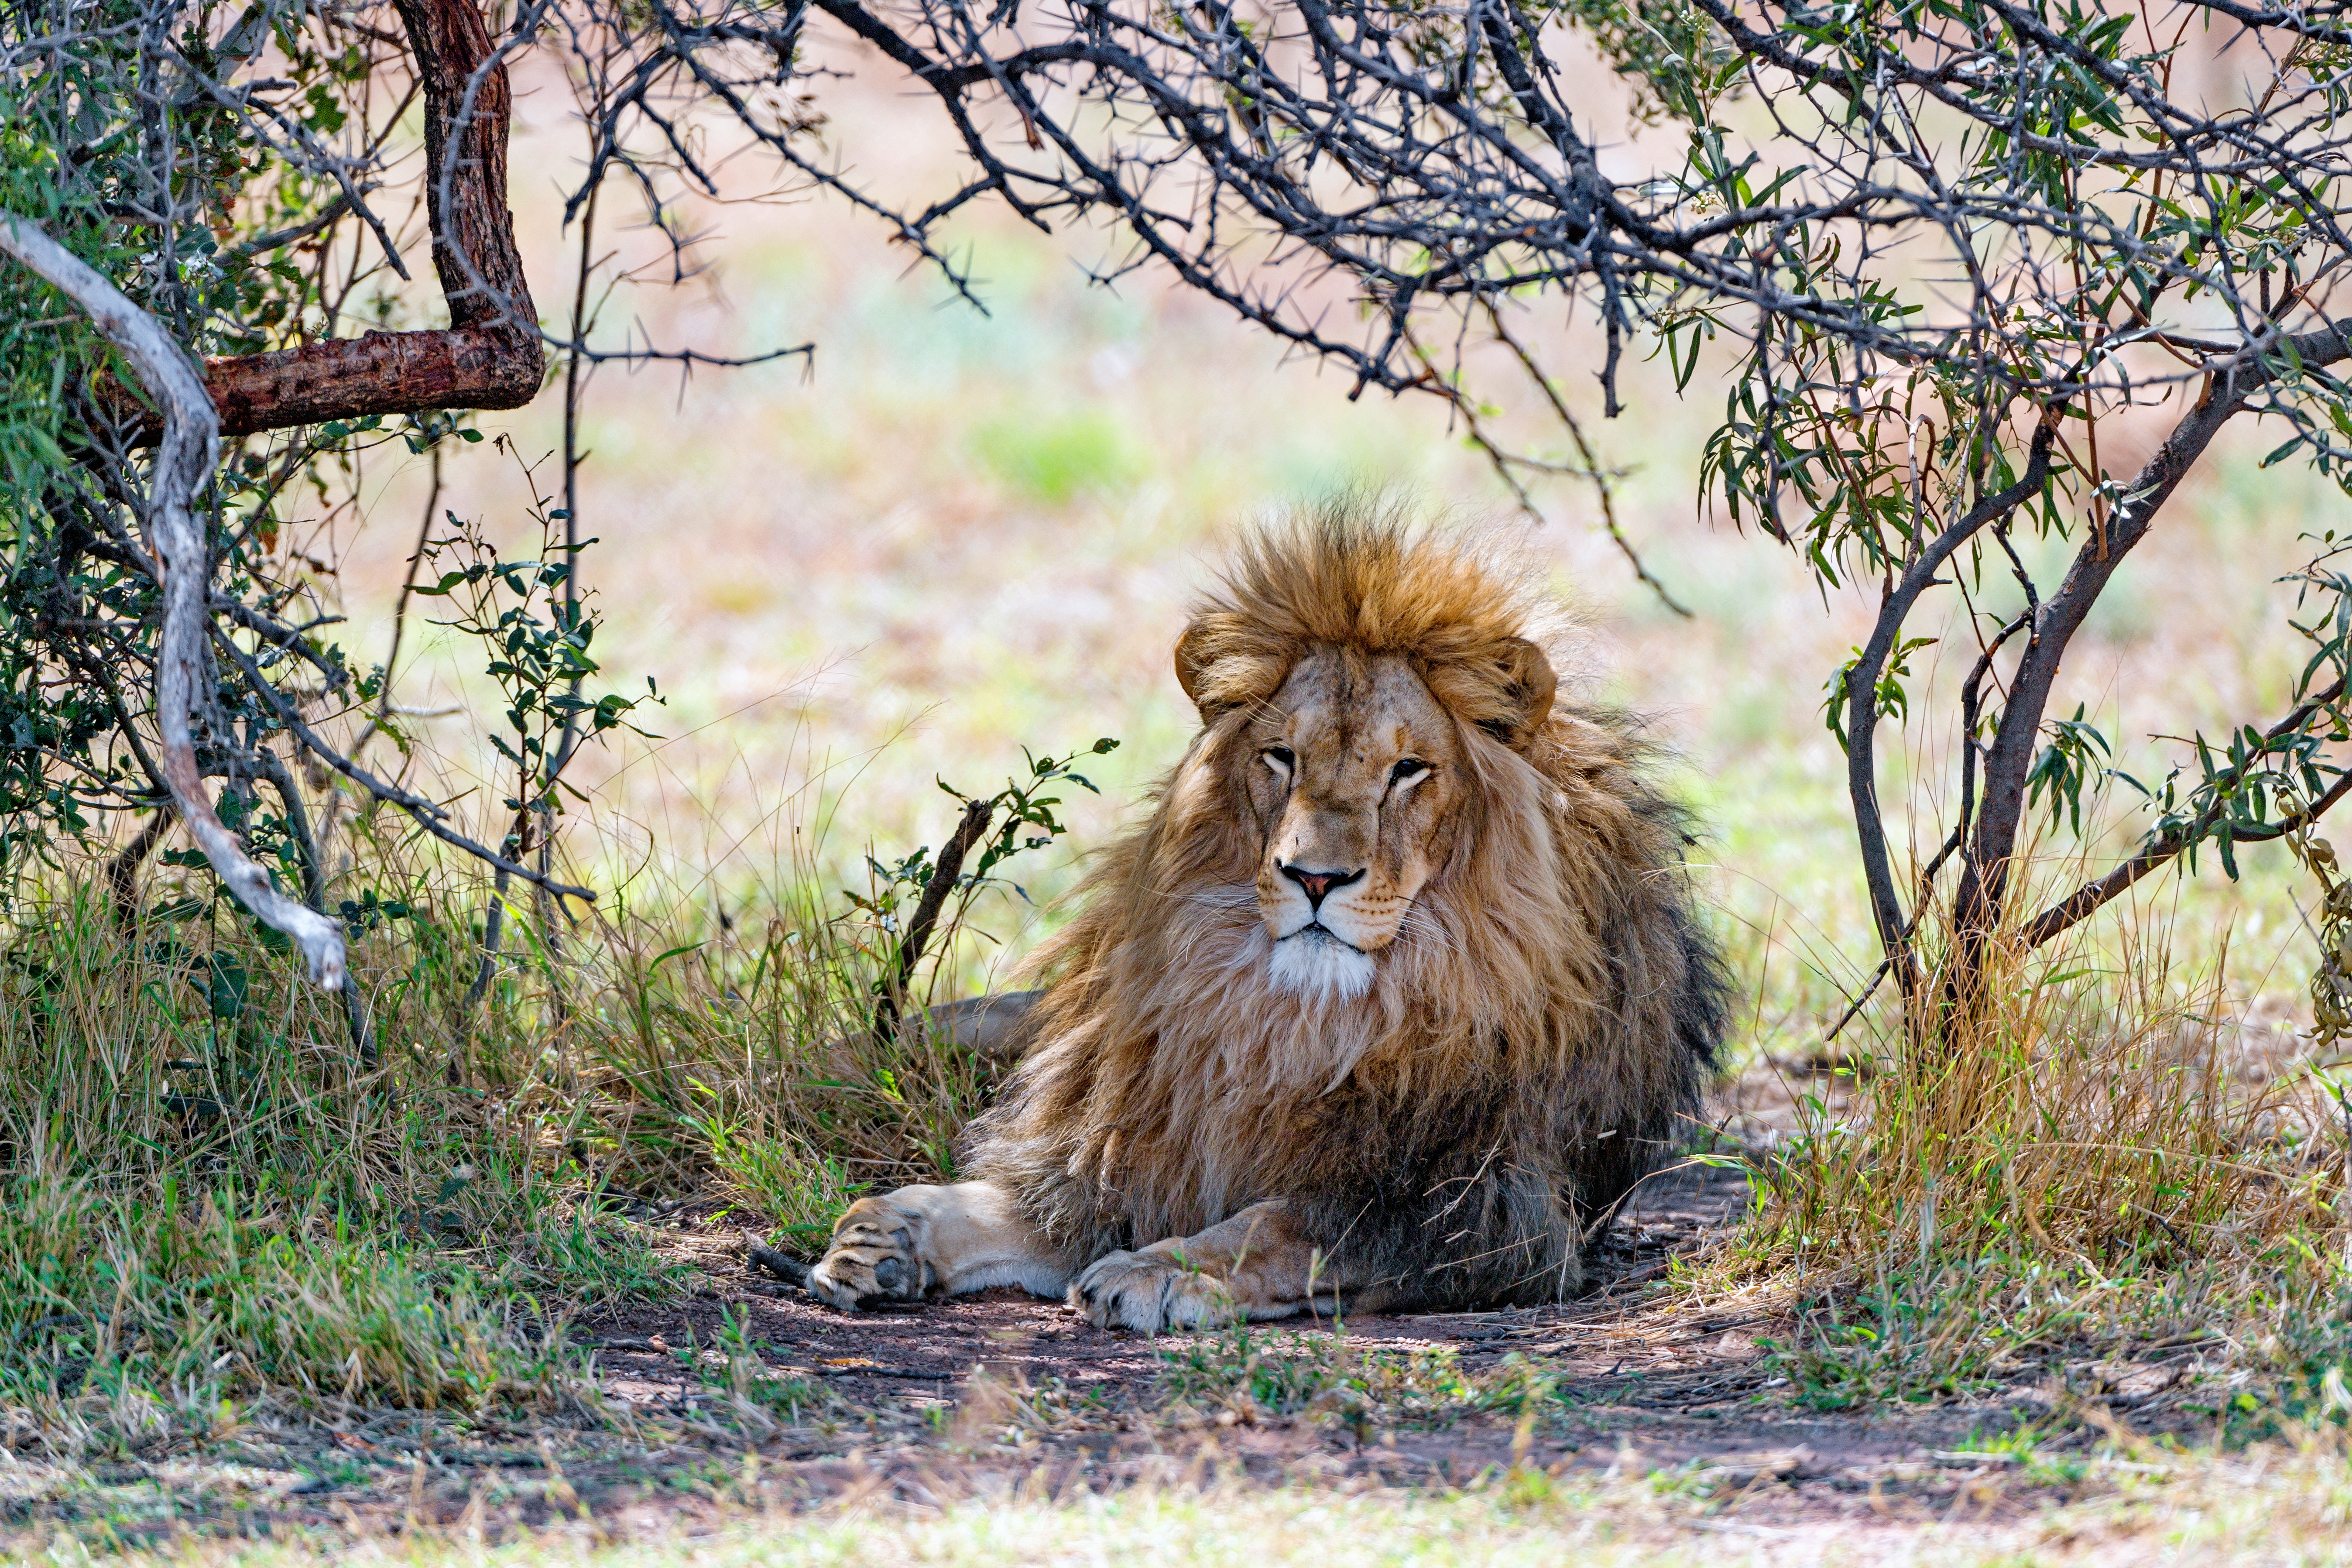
x,y
2088,1165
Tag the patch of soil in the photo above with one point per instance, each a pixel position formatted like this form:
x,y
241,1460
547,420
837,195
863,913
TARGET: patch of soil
x,y
1689,1395
925,1351
979,1394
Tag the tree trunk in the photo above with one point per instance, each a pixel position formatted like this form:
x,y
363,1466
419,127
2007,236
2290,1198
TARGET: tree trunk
x,y
1990,849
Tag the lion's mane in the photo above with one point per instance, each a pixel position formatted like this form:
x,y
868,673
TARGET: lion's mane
x,y
1533,1037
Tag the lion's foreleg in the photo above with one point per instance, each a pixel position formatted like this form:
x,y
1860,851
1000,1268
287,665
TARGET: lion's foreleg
x,y
924,1242
1261,1263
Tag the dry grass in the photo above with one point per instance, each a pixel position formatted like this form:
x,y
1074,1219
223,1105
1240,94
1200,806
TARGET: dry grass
x,y
2278,1504
963,534
2089,1159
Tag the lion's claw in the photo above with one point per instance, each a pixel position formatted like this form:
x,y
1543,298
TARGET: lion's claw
x,y
1149,1291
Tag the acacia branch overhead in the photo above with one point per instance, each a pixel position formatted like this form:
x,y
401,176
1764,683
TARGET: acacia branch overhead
x,y
2005,207
1922,222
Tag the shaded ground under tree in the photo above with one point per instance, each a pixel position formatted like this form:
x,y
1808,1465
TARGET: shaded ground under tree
x,y
1000,1394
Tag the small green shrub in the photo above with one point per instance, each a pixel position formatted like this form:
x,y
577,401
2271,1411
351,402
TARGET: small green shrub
x,y
800,1190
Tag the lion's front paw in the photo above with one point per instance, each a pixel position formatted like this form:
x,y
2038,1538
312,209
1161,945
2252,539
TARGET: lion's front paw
x,y
878,1253
1150,1291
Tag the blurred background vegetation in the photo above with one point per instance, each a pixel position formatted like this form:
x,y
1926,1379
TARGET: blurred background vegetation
x,y
954,532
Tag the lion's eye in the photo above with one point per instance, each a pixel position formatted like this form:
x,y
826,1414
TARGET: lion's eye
x,y
1412,770
1280,759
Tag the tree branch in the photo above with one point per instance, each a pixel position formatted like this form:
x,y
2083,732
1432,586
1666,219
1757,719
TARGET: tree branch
x,y
2167,847
489,356
1862,695
428,816
1984,868
183,464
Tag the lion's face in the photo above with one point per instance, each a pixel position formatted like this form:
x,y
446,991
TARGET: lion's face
x,y
1360,707
1355,773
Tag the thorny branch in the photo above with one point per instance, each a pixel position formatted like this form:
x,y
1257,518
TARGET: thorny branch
x,y
489,355
1933,232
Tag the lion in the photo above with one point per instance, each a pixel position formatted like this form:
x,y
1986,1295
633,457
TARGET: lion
x,y
1394,997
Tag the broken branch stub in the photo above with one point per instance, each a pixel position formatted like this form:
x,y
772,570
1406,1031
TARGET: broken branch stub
x,y
187,450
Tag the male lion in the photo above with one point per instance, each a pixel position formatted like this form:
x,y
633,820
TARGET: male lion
x,y
1389,1004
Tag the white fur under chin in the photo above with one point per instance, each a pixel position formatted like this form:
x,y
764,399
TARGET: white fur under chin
x,y
1317,966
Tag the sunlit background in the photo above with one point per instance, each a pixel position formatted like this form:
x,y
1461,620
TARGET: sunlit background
x,y
954,532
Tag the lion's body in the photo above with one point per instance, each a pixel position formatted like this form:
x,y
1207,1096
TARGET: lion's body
x,y
1426,1080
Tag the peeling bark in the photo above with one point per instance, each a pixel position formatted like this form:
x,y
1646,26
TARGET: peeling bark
x,y
188,450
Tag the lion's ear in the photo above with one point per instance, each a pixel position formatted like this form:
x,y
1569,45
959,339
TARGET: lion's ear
x,y
1223,667
1528,687
1195,655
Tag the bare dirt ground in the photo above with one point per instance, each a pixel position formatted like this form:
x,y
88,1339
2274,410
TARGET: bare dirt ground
x,y
1002,1395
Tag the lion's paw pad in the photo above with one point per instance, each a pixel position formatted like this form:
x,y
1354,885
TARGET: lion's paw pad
x,y
872,1258
1149,1291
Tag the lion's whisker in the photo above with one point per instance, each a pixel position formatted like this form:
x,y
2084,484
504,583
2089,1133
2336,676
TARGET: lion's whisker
x,y
1218,899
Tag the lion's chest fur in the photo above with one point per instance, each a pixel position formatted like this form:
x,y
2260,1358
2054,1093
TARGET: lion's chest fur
x,y
1191,1101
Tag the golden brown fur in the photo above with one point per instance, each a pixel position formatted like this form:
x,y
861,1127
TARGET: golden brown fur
x,y
1519,1003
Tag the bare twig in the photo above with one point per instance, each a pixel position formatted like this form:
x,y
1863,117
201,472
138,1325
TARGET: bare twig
x,y
122,867
968,832
430,817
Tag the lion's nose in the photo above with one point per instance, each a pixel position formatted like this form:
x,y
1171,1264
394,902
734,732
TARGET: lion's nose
x,y
1319,885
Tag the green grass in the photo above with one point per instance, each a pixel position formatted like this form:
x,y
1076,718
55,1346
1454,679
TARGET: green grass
x,y
1250,1374
213,1200
134,1322
209,1202
2276,1506
800,1189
